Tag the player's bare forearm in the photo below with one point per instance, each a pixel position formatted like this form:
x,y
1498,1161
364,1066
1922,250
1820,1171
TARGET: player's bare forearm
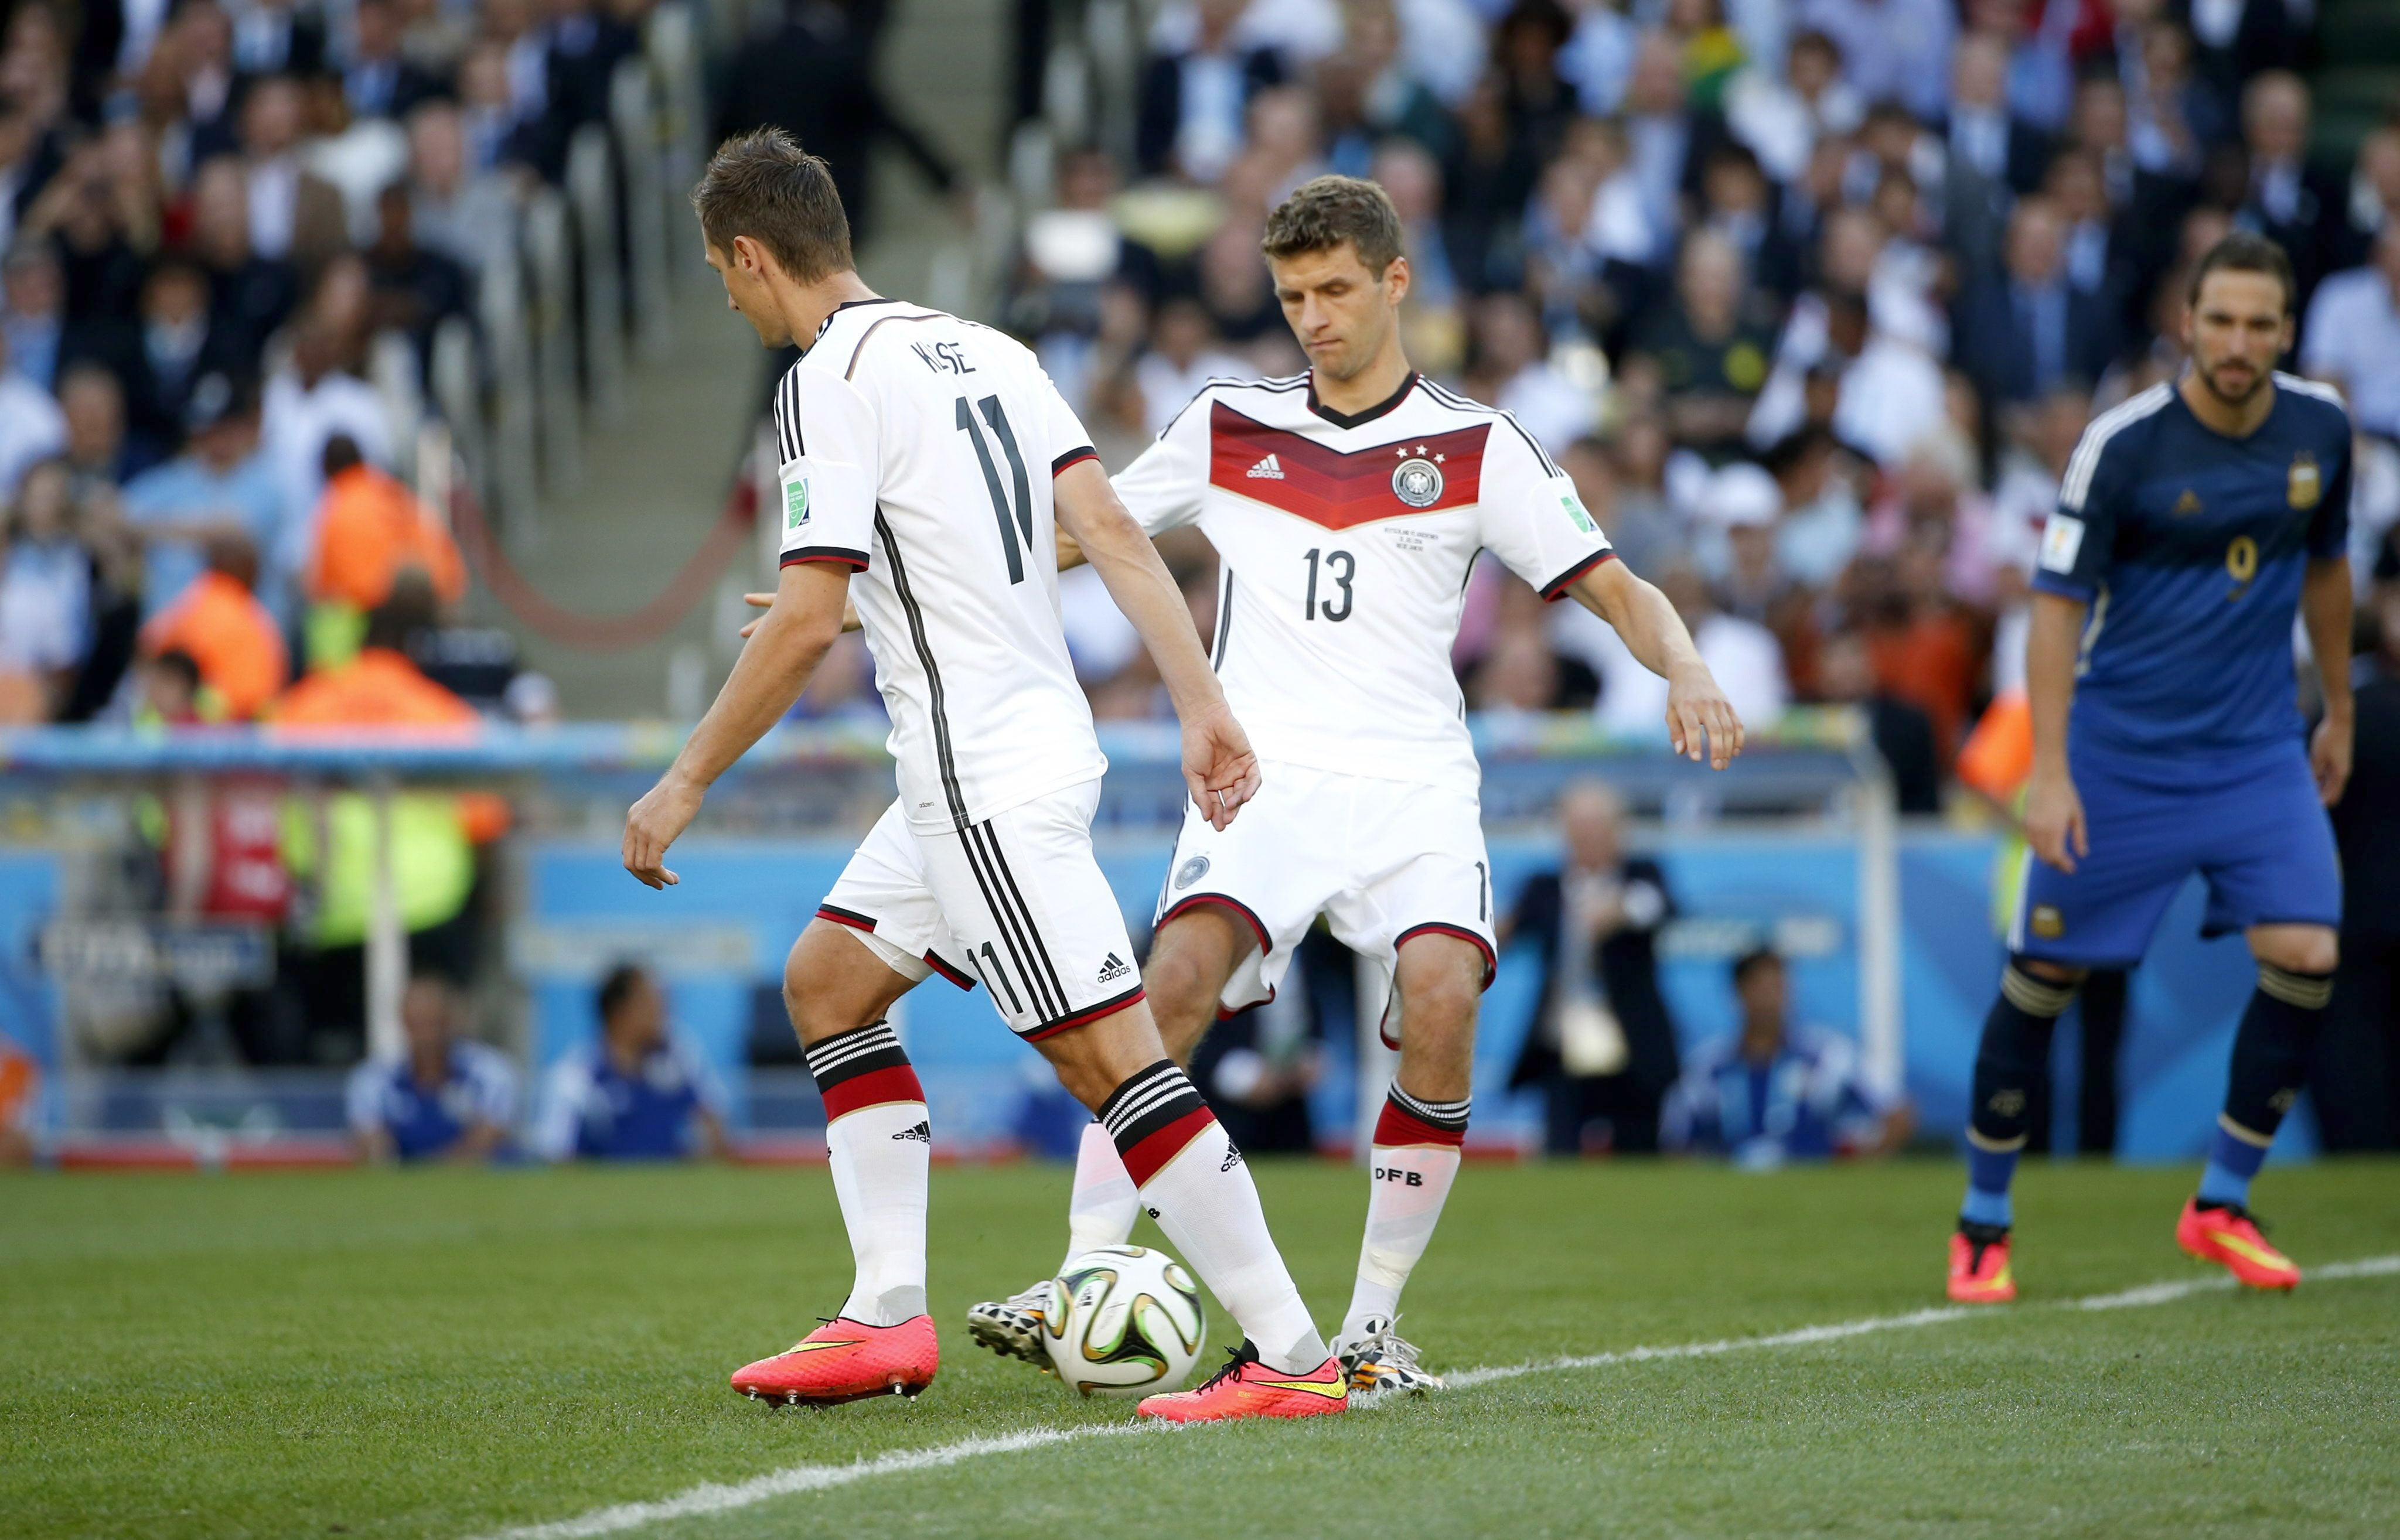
x,y
2054,816
850,621
1700,721
785,645
1071,555
784,649
1218,764
1105,535
2053,637
2324,609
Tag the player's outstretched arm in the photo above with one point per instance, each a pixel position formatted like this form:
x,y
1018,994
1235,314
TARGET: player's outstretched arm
x,y
2325,598
1700,721
850,621
785,645
1218,764
2053,817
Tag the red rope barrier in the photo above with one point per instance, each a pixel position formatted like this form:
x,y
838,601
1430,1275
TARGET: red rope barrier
x,y
725,540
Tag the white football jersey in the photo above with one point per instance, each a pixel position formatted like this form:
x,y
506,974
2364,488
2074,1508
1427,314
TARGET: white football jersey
x,y
1345,543
918,451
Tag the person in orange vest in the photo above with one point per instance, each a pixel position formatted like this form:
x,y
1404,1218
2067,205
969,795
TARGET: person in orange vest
x,y
19,1080
330,842
1995,764
218,622
369,526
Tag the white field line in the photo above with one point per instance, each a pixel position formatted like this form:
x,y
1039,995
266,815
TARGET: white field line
x,y
711,1498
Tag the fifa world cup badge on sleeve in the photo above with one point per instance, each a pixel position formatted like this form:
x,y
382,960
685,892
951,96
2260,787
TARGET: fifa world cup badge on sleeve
x,y
796,504
1575,510
2306,487
2062,538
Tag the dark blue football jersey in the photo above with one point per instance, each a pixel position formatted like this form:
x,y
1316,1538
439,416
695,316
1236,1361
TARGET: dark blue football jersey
x,y
2189,546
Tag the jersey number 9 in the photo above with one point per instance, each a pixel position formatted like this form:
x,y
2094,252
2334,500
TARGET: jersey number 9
x,y
2242,563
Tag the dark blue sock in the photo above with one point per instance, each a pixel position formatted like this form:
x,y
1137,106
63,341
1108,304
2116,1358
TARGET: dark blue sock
x,y
2271,1051
2010,1062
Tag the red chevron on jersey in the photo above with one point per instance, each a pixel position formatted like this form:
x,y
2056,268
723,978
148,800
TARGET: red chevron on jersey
x,y
1339,491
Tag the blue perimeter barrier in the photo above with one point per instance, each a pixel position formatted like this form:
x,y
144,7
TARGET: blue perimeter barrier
x,y
721,935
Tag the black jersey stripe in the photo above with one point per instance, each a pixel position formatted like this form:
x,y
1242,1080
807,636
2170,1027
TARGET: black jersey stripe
x,y
1015,934
787,416
1224,618
869,335
1025,911
938,708
923,649
826,325
1451,399
1288,383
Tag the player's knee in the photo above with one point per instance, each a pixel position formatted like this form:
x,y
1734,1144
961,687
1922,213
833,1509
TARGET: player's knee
x,y
2050,973
1441,1001
819,995
2297,948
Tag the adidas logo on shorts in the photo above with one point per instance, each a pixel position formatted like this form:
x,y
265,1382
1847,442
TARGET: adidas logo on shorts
x,y
1114,968
922,1133
1268,469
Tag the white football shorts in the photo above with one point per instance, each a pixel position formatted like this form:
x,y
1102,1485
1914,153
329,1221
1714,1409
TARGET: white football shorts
x,y
1016,902
1381,859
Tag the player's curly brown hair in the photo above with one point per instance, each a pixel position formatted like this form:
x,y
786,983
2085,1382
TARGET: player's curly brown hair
x,y
762,184
1327,211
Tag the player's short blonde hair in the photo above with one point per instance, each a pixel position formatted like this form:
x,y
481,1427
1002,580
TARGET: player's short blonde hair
x,y
762,184
1323,213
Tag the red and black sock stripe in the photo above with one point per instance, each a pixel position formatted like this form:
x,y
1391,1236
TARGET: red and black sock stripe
x,y
865,1067
1410,1120
1153,1116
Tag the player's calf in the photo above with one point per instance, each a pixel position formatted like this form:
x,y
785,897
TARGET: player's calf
x,y
2012,1063
1414,1158
2272,1050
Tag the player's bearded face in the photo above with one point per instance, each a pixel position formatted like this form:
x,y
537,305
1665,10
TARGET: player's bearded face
x,y
1341,313
2235,331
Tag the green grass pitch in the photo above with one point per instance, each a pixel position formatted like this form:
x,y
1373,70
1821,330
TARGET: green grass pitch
x,y
451,1354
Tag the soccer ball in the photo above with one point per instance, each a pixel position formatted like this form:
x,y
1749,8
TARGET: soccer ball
x,y
1123,1320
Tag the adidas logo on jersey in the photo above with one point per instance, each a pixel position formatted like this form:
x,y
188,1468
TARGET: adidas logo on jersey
x,y
1268,469
922,1133
1114,968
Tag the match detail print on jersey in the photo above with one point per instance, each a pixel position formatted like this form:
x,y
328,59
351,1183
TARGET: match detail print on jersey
x,y
1338,489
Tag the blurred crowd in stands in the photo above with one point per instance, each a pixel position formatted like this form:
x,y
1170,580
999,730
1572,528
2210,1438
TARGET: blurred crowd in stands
x,y
228,229
1812,297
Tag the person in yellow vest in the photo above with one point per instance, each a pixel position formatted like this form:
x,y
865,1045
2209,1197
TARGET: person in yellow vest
x,y
1995,764
330,840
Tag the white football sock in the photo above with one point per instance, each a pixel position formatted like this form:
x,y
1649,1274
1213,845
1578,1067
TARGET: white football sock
x,y
1415,1159
1195,1184
1102,1211
879,1143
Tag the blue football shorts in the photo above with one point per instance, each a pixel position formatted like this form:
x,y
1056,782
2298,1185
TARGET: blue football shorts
x,y
2252,827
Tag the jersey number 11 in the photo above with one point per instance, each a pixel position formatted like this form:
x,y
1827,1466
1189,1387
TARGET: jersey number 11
x,y
999,503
